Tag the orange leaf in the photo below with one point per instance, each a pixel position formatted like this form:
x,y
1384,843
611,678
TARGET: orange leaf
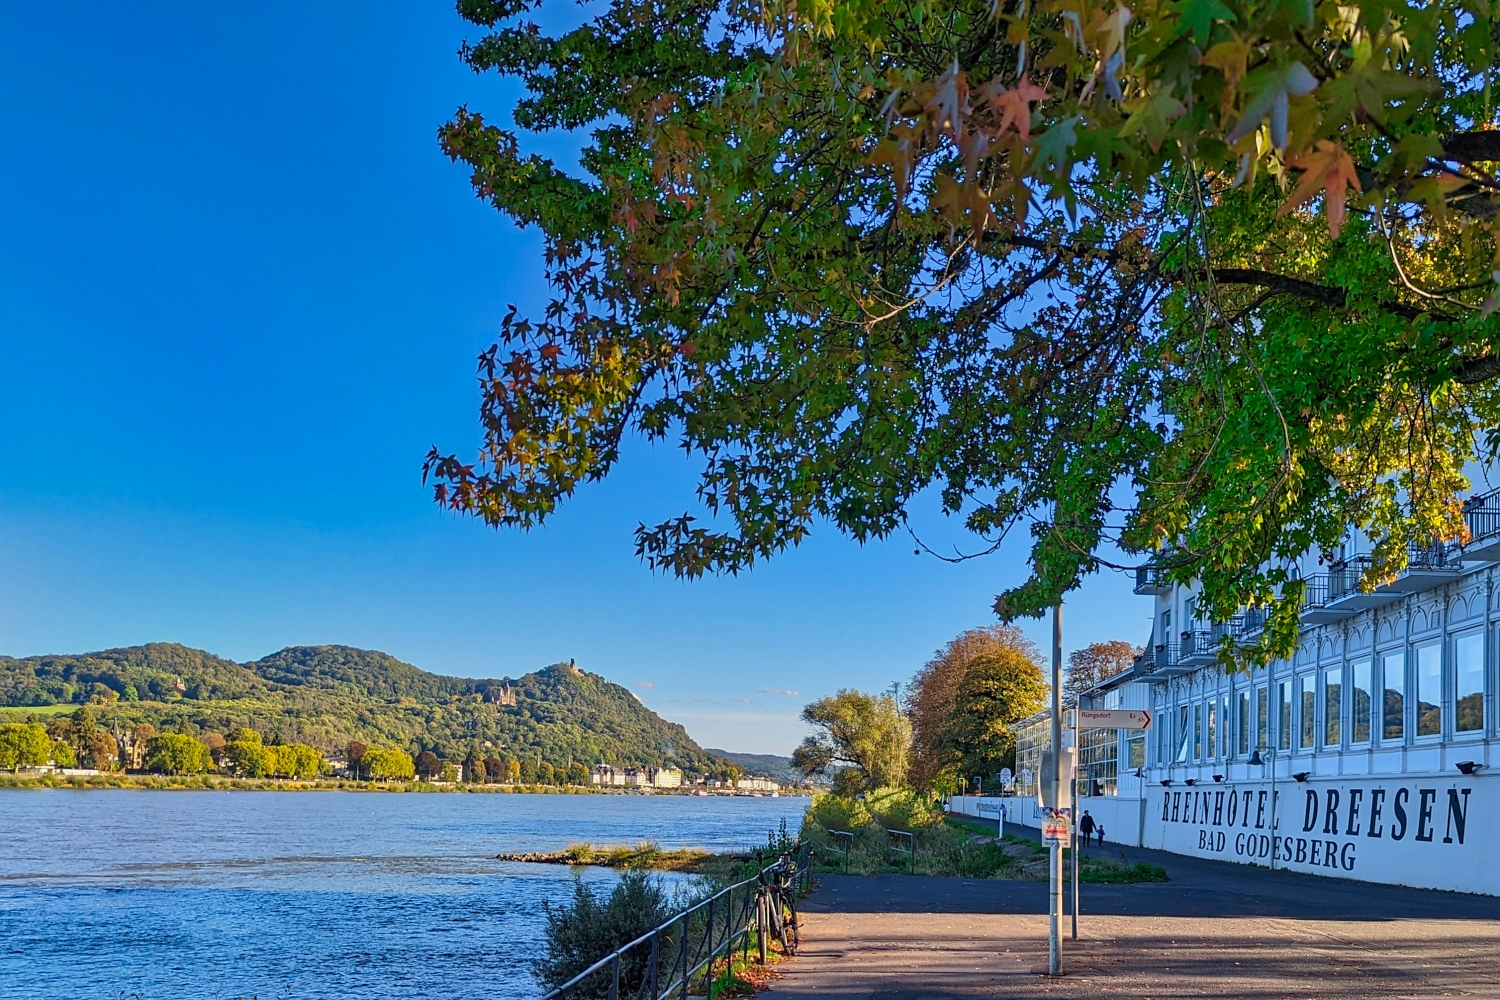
x,y
1327,170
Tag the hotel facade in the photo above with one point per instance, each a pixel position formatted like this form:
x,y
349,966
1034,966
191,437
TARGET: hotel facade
x,y
1369,755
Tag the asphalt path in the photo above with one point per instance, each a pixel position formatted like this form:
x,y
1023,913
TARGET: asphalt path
x,y
1215,930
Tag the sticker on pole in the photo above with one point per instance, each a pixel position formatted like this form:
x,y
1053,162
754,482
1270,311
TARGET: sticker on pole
x,y
1091,718
1055,829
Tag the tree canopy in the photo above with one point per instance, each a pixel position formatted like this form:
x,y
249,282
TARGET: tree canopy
x,y
1229,259
932,698
1098,661
862,738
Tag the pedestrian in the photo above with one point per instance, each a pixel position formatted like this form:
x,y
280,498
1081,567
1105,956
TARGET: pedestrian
x,y
1086,827
1099,834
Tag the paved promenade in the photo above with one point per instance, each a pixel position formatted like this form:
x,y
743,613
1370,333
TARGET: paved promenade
x,y
1215,930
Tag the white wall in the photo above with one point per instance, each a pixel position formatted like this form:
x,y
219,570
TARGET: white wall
x,y
1434,832
1121,817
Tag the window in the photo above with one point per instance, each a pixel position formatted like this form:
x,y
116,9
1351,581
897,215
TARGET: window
x,y
1305,706
1359,702
1261,717
1224,727
1332,708
1393,703
1284,715
1430,690
1183,734
1213,727
1166,625
1197,732
1190,611
1136,749
1245,722
1468,676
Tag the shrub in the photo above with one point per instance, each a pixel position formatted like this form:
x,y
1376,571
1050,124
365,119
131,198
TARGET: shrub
x,y
584,930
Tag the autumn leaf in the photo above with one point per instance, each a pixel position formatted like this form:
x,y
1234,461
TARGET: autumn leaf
x,y
1273,89
1014,106
1327,170
895,153
949,104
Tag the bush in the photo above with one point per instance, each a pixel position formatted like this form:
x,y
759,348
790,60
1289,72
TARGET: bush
x,y
581,932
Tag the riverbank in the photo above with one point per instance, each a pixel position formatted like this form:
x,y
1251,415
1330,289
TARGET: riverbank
x,y
223,783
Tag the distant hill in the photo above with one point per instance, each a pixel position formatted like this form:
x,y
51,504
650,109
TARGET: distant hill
x,y
768,764
328,695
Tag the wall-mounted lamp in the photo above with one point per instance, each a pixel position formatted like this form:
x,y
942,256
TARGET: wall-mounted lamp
x,y
1191,781
1139,773
1218,778
1301,775
1255,759
1165,782
1468,766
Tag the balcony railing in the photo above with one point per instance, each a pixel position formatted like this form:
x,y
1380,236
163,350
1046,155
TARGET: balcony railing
x,y
1482,516
1150,579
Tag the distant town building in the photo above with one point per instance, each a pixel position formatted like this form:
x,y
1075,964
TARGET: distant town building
x,y
635,777
758,784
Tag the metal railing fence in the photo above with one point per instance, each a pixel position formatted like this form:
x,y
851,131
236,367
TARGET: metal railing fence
x,y
847,839
677,958
893,845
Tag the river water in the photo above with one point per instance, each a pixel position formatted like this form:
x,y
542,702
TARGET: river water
x,y
147,895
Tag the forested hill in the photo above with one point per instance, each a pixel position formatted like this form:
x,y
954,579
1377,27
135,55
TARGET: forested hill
x,y
328,695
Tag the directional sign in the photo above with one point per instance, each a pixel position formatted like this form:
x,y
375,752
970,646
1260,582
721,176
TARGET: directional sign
x,y
1090,718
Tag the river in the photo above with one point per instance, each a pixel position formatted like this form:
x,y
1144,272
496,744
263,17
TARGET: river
x,y
157,895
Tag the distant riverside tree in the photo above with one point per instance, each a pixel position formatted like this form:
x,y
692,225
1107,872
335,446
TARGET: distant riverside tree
x,y
512,771
546,773
494,770
1094,663
175,753
103,751
528,772
448,771
214,743
863,736
932,696
476,772
294,760
381,764
23,744
352,753
140,735
63,755
428,765
999,688
578,774
247,756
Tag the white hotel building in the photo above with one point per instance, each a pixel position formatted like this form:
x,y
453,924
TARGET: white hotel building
x,y
1369,755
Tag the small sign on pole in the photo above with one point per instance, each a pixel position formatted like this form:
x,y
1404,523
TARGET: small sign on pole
x,y
1055,828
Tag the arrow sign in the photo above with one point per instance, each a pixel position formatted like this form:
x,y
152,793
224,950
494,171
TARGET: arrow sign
x,y
1090,718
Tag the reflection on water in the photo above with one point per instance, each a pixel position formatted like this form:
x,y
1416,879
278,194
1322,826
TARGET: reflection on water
x,y
181,895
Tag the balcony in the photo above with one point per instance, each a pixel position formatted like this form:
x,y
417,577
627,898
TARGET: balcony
x,y
1482,515
1316,609
1251,622
1150,580
1427,566
1200,647
1343,586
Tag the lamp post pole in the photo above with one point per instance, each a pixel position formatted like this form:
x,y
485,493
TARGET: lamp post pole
x,y
1054,783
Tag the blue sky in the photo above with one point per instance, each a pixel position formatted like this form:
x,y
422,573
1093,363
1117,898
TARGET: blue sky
x,y
241,292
